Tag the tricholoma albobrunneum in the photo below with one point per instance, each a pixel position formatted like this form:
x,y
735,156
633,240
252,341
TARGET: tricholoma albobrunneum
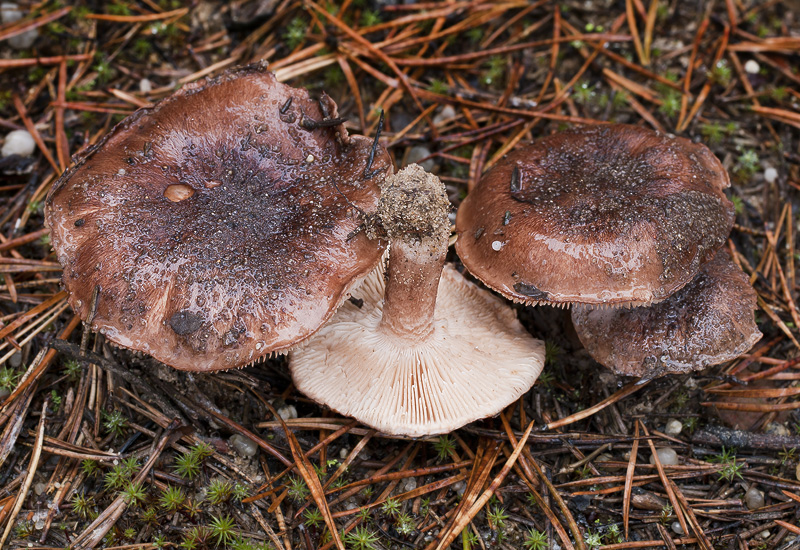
x,y
425,351
228,222
220,225
611,216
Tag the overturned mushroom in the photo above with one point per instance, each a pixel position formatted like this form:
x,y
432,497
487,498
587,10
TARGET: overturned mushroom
x,y
611,214
217,227
707,322
423,351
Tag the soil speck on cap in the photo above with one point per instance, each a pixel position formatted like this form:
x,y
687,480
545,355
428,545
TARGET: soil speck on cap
x,y
186,322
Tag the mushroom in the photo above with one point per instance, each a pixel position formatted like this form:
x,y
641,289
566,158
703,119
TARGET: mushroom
x,y
423,350
609,214
707,322
218,226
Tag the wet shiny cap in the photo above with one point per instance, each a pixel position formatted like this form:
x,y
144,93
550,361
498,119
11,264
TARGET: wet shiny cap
x,y
707,322
608,214
217,227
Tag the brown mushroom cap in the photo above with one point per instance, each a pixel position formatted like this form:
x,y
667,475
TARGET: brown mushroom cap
x,y
709,321
477,359
607,214
217,225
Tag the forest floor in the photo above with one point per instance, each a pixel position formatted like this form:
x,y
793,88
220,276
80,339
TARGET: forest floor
x,y
89,455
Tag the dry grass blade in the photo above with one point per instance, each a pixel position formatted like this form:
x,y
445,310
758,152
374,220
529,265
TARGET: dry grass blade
x,y
753,407
637,43
460,521
629,473
788,526
38,368
666,482
14,426
705,543
485,459
148,18
306,470
16,29
757,393
594,409
32,467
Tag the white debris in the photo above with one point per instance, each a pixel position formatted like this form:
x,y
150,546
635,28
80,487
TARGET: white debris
x,y
445,114
666,455
244,446
287,412
19,142
11,13
673,427
417,153
770,175
752,66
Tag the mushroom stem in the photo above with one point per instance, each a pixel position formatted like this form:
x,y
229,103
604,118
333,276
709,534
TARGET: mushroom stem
x,y
411,286
413,212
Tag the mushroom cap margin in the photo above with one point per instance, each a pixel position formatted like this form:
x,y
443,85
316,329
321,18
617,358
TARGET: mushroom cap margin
x,y
607,214
210,282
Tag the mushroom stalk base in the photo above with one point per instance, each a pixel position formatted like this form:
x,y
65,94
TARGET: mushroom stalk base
x,y
415,267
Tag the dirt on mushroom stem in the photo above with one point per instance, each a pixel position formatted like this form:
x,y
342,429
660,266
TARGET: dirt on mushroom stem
x,y
412,214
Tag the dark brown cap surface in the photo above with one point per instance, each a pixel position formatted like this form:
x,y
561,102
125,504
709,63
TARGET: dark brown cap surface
x,y
709,321
215,225
611,214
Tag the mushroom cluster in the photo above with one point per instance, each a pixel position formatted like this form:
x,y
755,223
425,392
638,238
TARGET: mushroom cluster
x,y
608,218
234,218
228,223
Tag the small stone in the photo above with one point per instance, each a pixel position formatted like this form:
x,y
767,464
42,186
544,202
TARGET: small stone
x,y
408,484
496,246
419,152
19,142
752,66
753,498
647,501
4,393
666,455
775,428
11,13
343,452
145,86
244,446
770,175
673,427
604,457
39,488
459,487
15,360
444,115
764,534
677,529
287,412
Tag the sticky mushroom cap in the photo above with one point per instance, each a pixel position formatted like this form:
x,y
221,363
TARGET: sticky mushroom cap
x,y
707,322
608,214
478,360
216,226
